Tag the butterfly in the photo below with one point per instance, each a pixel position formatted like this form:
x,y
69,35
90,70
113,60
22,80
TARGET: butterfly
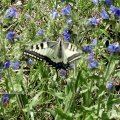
x,y
58,54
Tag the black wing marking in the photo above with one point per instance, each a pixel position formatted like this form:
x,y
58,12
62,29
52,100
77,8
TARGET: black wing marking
x,y
35,55
74,57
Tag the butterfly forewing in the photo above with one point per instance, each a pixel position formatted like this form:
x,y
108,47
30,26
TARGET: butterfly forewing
x,y
71,52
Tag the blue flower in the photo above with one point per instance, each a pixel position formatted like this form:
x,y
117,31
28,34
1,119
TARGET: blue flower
x,y
72,65
40,32
10,35
66,10
94,41
112,48
115,11
62,73
87,49
92,62
90,56
104,14
5,99
7,64
96,2
10,13
67,35
108,2
69,21
54,14
93,21
16,65
109,85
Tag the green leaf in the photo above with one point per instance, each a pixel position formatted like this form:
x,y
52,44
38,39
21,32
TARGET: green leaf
x,y
51,111
101,94
59,95
35,100
63,115
84,91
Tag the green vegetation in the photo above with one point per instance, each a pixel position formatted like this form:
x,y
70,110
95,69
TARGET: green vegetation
x,y
31,90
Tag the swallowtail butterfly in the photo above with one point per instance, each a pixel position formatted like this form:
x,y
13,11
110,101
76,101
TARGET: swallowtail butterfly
x,y
58,54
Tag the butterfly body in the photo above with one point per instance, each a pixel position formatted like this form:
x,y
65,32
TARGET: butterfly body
x,y
58,54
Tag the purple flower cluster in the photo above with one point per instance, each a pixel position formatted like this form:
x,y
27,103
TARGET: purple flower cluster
x,y
93,21
109,85
67,34
40,32
112,48
104,14
5,99
10,35
108,2
7,64
16,65
96,2
94,42
115,11
62,73
66,10
10,13
92,62
54,14
87,49
69,21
